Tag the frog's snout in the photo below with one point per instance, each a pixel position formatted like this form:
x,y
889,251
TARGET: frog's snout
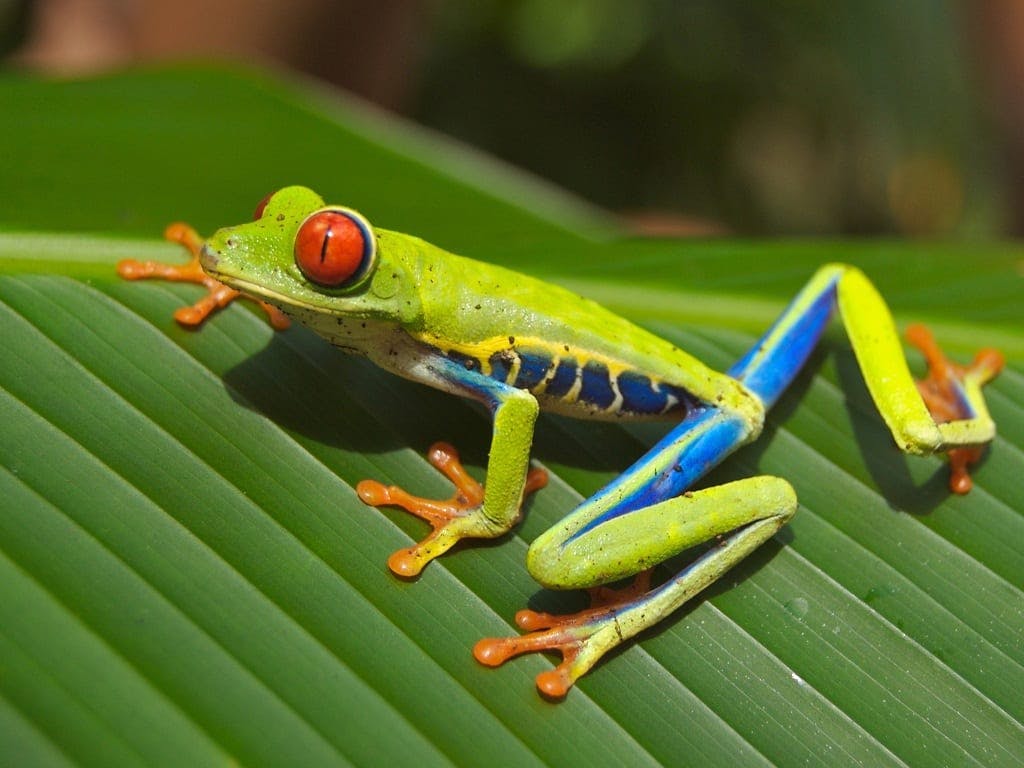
x,y
208,257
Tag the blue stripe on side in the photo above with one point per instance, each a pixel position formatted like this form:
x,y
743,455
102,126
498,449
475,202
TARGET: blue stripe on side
x,y
596,386
639,394
563,379
501,364
532,369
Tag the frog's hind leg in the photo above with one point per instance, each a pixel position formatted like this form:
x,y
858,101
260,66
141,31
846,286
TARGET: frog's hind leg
x,y
741,515
944,413
639,519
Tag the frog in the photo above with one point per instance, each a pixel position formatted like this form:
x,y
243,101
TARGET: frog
x,y
519,345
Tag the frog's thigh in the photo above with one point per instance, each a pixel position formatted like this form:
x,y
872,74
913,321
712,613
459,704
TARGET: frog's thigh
x,y
617,547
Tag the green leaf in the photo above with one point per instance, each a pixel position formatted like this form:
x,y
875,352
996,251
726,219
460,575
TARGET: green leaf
x,y
187,576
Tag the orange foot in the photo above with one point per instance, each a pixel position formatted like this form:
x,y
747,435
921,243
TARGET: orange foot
x,y
219,294
452,519
577,636
942,391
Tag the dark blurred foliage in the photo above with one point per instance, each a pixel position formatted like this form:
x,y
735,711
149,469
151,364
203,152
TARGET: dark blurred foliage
x,y
13,24
688,116
772,117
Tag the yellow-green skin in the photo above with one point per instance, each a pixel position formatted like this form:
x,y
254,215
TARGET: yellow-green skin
x,y
448,321
447,302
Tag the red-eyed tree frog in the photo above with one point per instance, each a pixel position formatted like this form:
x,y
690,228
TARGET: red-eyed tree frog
x,y
517,345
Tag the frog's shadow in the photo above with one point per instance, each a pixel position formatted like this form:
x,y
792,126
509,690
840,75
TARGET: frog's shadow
x,y
308,388
887,466
312,390
344,401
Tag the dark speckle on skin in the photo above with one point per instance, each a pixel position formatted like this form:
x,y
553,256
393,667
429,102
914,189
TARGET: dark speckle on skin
x,y
512,341
280,217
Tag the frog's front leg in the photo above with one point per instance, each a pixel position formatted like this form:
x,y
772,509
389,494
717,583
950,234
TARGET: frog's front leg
x,y
218,295
474,511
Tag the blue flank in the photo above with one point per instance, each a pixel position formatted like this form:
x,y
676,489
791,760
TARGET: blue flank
x,y
532,369
564,378
640,395
596,386
501,364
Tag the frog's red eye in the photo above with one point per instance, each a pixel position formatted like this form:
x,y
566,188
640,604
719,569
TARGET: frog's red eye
x,y
258,213
335,247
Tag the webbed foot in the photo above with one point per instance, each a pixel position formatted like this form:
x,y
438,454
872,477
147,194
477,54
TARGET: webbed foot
x,y
582,637
943,391
452,519
218,296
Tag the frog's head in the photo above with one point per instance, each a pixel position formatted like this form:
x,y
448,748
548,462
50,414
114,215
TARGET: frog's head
x,y
310,258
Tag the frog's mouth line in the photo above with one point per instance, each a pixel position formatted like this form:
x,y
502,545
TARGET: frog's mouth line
x,y
258,291
210,262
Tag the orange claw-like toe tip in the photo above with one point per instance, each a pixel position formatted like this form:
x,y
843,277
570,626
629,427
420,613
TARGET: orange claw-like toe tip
x,y
960,482
536,479
959,476
554,683
441,453
989,360
279,321
129,269
492,651
189,316
531,621
373,493
917,332
405,563
176,231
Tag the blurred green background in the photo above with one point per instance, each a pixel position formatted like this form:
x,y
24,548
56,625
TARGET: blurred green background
x,y
858,117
